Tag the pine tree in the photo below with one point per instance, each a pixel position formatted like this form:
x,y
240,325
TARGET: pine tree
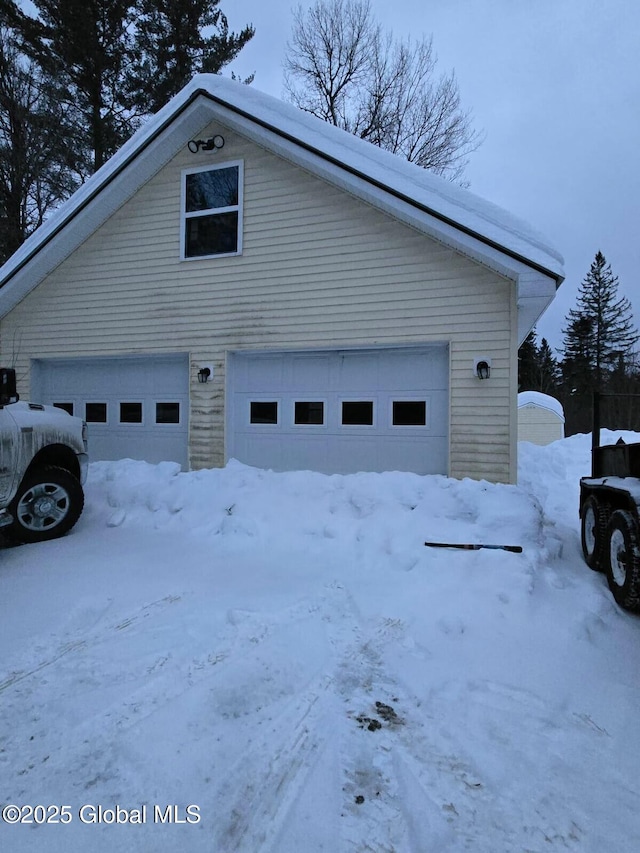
x,y
36,169
548,371
83,48
76,79
171,46
600,331
528,363
537,368
577,377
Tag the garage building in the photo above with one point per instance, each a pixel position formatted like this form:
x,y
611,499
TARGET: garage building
x,y
245,281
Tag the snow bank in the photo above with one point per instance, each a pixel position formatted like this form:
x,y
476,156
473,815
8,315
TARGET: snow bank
x,y
283,651
374,515
552,473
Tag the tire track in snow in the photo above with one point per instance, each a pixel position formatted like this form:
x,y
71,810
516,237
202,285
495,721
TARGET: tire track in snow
x,y
323,724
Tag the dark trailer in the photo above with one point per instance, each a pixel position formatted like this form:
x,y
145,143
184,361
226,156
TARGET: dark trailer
x,y
609,510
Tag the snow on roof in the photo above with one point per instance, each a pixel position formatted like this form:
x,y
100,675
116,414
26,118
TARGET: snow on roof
x,y
210,96
449,200
544,401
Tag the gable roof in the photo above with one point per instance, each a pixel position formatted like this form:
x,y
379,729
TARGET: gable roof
x,y
444,211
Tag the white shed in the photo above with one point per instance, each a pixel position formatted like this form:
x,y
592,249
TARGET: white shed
x,y
540,418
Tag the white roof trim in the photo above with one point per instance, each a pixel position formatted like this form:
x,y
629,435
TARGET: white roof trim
x,y
434,206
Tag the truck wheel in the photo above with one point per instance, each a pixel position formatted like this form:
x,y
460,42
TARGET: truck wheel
x,y
622,554
593,533
47,505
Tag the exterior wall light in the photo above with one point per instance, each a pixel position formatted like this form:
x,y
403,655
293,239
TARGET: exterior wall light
x,y
482,367
205,374
211,144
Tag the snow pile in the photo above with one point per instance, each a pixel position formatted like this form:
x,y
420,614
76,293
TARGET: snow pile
x,y
376,516
552,473
283,651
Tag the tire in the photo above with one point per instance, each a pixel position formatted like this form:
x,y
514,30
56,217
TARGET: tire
x,y
46,506
622,553
593,533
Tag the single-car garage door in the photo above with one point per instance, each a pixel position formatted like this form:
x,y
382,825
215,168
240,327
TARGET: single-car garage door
x,y
135,407
341,411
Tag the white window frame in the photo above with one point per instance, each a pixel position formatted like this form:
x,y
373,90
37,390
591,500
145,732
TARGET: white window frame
x,y
97,402
402,399
212,210
272,398
362,398
167,425
134,424
309,398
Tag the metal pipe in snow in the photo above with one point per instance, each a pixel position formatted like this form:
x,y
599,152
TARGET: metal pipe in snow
x,y
515,549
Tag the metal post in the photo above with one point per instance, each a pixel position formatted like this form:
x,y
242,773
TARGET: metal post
x,y
595,434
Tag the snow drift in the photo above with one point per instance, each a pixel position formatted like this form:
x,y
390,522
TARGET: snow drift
x,y
282,651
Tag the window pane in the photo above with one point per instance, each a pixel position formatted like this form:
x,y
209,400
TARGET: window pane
x,y
130,413
68,407
358,412
167,413
309,413
208,190
96,413
211,235
264,413
409,413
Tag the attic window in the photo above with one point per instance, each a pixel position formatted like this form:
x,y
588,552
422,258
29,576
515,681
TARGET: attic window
x,y
212,211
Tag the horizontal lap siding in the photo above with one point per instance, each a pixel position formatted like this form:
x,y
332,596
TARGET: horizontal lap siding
x,y
318,269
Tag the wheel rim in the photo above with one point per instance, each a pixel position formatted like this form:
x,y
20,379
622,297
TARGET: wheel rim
x,y
43,506
618,557
590,530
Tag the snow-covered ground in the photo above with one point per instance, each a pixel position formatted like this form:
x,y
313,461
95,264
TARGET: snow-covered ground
x,y
283,652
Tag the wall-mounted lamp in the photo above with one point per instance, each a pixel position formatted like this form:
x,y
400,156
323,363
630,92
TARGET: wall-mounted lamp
x,y
211,144
482,367
205,373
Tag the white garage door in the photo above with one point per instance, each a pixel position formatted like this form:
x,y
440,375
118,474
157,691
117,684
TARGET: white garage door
x,y
135,407
341,411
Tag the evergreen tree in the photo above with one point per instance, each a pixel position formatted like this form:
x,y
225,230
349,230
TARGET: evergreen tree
x,y
537,368
577,377
36,169
600,331
83,49
171,46
76,78
548,371
528,363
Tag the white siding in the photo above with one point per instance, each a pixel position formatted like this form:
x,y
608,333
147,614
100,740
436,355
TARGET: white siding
x,y
319,269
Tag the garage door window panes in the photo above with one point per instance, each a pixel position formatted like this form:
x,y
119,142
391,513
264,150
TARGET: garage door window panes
x,y
263,412
95,413
212,211
357,413
130,413
409,413
167,413
309,412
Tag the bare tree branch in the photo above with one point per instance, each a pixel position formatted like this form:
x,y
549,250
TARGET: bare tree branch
x,y
342,68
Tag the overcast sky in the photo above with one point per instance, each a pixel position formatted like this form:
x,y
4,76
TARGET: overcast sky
x,y
555,86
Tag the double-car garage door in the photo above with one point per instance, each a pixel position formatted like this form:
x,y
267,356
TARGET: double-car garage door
x,y
334,411
341,411
135,407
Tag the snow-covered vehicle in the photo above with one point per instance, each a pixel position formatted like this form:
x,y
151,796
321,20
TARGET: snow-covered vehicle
x,y
610,514
43,465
